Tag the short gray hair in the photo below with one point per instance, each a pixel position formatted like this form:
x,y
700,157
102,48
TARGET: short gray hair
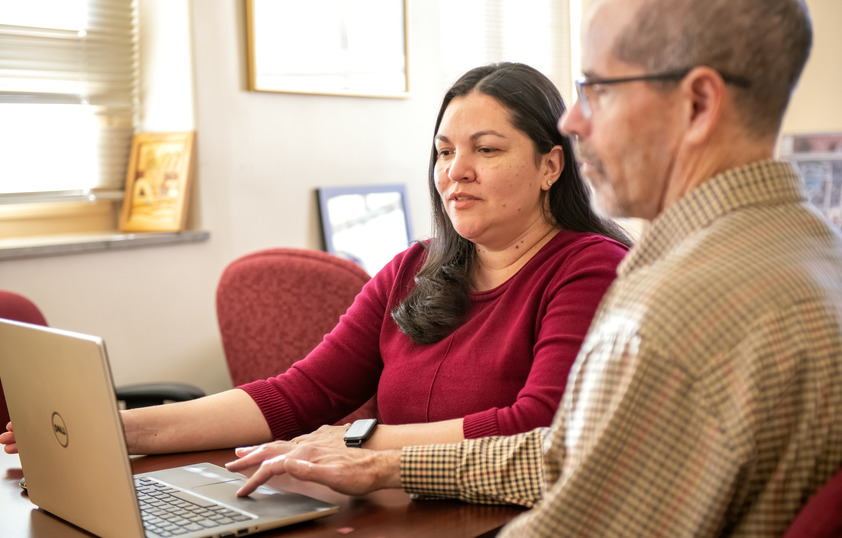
x,y
765,41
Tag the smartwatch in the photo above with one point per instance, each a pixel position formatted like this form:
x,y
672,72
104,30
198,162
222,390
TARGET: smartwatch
x,y
359,432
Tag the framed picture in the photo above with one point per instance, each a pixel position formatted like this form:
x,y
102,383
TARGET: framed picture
x,y
158,182
367,225
330,47
818,158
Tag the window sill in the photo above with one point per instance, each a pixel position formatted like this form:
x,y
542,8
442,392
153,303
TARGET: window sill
x,y
58,245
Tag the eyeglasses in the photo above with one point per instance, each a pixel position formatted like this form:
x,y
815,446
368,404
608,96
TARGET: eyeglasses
x,y
582,83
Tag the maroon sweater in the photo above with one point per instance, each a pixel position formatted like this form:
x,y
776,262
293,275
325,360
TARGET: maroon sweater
x,y
504,369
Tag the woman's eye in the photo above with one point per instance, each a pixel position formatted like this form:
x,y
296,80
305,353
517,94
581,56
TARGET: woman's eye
x,y
443,153
487,150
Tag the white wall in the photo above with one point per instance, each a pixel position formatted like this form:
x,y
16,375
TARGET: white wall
x,y
262,154
259,158
166,52
816,106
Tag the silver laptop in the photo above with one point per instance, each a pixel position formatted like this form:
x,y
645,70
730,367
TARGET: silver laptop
x,y
60,394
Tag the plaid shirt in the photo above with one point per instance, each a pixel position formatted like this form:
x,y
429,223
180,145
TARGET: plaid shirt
x,y
707,397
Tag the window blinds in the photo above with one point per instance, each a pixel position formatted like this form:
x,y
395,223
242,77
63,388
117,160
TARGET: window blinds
x,y
68,94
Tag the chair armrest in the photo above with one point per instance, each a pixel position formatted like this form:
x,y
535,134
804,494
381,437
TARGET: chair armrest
x,y
146,394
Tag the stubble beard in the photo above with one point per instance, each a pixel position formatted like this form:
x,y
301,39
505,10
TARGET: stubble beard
x,y
601,195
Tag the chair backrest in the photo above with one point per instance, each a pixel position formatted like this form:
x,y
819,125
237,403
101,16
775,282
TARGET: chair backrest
x,y
821,516
18,308
274,306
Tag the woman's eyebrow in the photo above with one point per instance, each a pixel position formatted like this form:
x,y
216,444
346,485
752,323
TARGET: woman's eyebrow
x,y
488,132
474,136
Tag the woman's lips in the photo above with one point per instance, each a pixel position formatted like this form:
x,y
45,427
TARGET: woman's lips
x,y
462,201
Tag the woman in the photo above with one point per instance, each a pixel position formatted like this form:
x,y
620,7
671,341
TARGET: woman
x,y
469,334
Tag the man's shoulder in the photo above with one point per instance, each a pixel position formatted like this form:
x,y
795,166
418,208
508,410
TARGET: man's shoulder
x,y
764,248
714,287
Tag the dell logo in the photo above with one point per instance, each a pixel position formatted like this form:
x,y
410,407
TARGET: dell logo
x,y
60,430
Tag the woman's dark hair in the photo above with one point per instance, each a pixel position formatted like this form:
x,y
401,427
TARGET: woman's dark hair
x,y
440,298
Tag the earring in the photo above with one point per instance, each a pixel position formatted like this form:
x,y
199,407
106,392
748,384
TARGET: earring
x,y
550,182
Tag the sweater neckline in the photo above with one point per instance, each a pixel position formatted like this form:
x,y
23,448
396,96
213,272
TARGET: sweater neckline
x,y
493,293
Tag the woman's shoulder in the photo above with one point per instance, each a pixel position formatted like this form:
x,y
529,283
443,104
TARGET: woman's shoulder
x,y
576,252
582,242
414,255
406,261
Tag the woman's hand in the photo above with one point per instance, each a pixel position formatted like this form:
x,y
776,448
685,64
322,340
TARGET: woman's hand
x,y
325,436
352,471
7,439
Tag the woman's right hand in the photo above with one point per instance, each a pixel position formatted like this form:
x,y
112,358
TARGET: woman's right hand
x,y
7,439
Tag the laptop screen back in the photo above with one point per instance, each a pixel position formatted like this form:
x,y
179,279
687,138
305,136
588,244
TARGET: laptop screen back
x,y
60,394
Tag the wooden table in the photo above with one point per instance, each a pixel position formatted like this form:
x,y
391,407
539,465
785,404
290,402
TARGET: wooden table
x,y
381,514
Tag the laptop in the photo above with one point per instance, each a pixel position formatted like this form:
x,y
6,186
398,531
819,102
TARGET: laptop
x,y
60,394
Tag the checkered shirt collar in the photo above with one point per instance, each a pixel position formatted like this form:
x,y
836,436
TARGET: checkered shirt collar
x,y
761,183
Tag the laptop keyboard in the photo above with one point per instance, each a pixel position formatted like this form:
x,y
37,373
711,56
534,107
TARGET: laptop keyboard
x,y
167,511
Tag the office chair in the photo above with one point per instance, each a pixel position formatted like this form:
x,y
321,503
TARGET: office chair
x,y
274,306
19,308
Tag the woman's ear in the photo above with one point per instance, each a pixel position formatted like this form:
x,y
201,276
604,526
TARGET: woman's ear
x,y
553,163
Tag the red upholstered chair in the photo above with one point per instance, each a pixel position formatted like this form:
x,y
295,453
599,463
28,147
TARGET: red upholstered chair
x,y
821,517
16,307
19,308
274,306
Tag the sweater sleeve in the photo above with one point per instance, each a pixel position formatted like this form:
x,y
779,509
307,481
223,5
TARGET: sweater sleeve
x,y
339,375
569,304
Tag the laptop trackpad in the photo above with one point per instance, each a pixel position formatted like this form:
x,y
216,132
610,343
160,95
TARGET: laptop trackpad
x,y
264,500
221,485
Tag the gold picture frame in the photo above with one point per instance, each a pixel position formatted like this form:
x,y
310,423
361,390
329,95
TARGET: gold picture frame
x,y
328,47
158,182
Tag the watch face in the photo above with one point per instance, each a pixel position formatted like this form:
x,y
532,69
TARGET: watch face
x,y
361,430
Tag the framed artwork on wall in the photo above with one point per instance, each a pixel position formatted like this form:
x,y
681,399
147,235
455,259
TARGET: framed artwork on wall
x,y
330,47
158,182
818,158
368,225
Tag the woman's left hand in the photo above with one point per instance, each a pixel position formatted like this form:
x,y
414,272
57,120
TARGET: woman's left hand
x,y
324,436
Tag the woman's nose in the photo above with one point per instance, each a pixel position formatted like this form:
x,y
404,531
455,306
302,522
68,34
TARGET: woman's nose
x,y
461,168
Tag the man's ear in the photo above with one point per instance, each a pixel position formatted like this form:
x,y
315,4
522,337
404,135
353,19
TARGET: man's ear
x,y
705,90
553,165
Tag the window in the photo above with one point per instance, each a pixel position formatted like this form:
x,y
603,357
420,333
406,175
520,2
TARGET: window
x,y
534,32
68,105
